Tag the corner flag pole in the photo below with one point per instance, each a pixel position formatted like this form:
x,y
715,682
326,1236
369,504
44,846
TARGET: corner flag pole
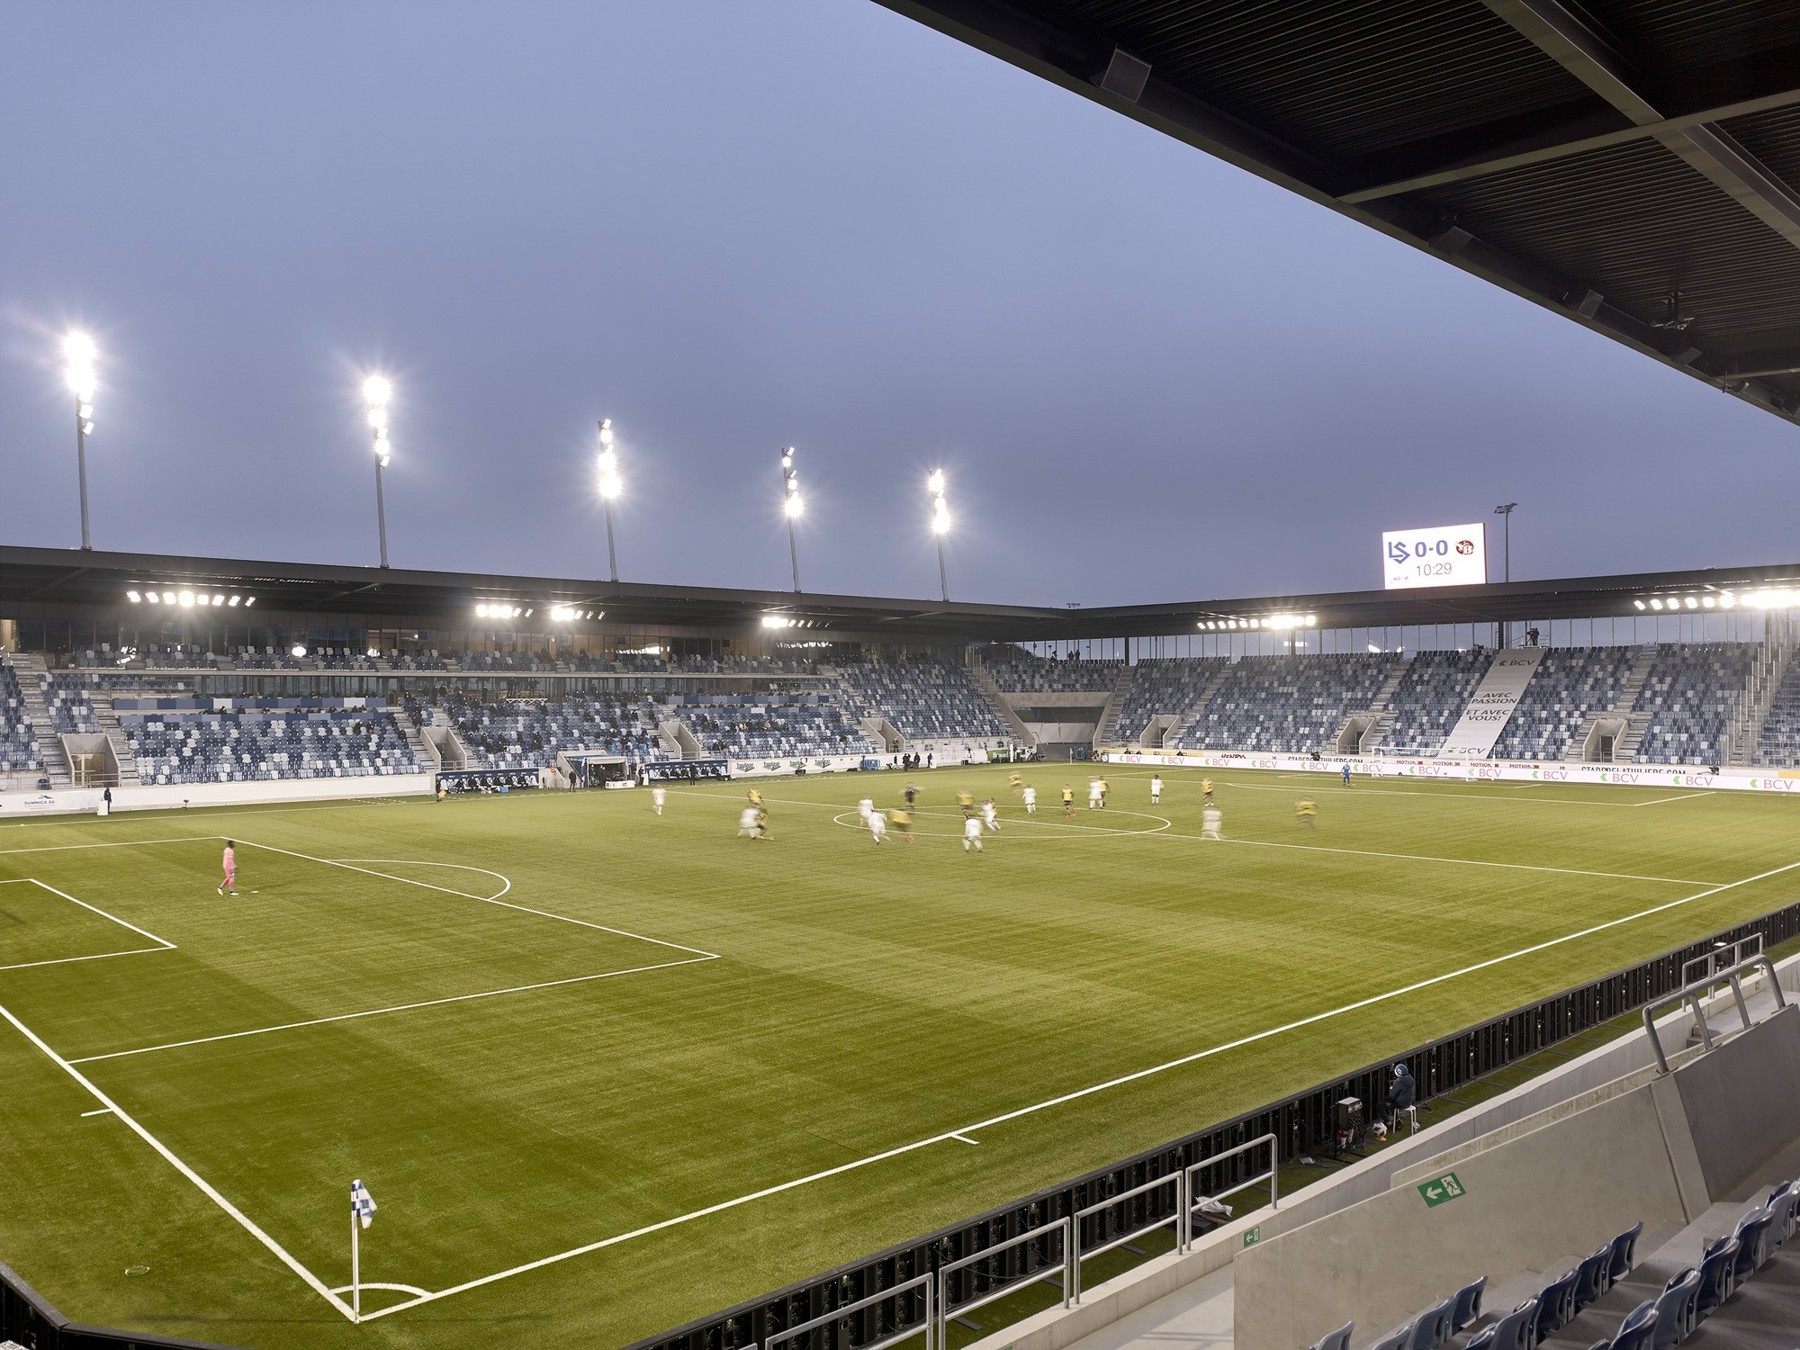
x,y
355,1267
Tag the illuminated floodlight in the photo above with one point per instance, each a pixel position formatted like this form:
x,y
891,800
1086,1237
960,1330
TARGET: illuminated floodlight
x,y
793,506
1692,603
299,650
134,597
1638,603
1655,603
1708,601
1727,600
777,621
940,518
377,392
249,601
187,599
234,601
935,483
154,598
218,600
80,354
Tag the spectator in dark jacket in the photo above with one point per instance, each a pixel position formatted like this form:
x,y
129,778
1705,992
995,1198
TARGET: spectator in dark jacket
x,y
1400,1095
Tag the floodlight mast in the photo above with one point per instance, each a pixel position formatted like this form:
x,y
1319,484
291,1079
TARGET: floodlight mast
x,y
1504,511
376,393
940,525
791,507
609,488
78,349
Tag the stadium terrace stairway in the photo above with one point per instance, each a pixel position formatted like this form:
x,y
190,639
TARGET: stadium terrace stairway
x,y
42,720
19,750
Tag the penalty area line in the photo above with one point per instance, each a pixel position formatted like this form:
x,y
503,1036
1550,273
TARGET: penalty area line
x,y
483,899
399,1007
962,1131
244,1221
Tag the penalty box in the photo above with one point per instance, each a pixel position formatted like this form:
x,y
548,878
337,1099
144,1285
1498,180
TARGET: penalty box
x,y
43,926
321,940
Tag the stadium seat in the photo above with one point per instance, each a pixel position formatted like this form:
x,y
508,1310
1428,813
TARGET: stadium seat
x,y
1517,1330
1638,1330
1592,1277
1677,1310
1754,1245
1337,1340
1466,1309
1717,1280
1396,1340
1624,1251
1556,1305
1432,1328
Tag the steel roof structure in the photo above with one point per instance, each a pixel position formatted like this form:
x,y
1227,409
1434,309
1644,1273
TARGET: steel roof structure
x,y
1631,164
50,582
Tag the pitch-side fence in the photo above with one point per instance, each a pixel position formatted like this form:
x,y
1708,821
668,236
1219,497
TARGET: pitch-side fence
x,y
1045,1238
915,1290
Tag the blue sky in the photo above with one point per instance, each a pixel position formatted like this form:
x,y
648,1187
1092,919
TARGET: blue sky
x,y
734,226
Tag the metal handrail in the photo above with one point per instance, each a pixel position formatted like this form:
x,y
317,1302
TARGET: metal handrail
x,y
1077,1256
1272,1176
1690,995
1064,1225
1741,950
928,1282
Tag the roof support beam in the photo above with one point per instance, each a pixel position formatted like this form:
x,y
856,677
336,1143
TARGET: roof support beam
x,y
1565,37
1556,147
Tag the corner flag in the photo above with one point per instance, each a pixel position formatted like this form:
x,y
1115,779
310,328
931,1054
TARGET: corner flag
x,y
362,1204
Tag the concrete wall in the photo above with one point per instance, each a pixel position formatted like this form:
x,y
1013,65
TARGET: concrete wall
x,y
1742,1102
1559,1190
86,801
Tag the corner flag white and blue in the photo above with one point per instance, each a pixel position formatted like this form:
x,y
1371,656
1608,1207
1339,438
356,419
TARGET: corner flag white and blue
x,y
362,1204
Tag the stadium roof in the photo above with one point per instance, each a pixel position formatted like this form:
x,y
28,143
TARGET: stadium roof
x,y
1631,164
53,582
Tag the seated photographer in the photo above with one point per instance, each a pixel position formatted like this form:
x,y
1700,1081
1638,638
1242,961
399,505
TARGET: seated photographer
x,y
1399,1096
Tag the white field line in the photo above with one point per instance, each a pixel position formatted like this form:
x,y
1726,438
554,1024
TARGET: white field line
x,y
1477,797
103,1111
206,1189
399,1007
1658,801
114,843
1076,1095
849,820
964,1139
484,899
162,944
1459,862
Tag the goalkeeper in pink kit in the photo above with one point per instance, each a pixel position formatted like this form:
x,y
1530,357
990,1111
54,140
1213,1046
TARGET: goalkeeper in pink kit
x,y
230,864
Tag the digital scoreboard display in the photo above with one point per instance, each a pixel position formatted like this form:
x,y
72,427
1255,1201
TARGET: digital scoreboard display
x,y
1441,555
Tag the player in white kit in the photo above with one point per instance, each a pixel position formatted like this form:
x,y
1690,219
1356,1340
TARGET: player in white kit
x,y
1093,794
865,808
972,833
1030,800
657,797
1155,789
989,816
747,828
1210,820
877,825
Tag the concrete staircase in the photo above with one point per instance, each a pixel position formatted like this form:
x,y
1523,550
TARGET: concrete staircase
x,y
990,690
1627,728
1115,701
1194,713
423,750
1376,727
30,669
114,731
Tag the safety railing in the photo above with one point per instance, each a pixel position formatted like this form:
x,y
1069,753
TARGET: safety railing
x,y
1692,994
1195,1198
1723,954
1176,1179
1060,1227
926,1282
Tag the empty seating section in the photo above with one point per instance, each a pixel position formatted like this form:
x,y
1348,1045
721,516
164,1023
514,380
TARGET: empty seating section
x,y
343,658
1017,671
1571,683
428,660
525,663
1291,703
1159,688
18,741
160,656
1430,699
924,700
269,658
529,733
1693,692
775,723
1780,740
235,747
71,703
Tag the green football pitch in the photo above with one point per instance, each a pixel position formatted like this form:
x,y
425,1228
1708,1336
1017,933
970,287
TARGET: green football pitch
x,y
605,1071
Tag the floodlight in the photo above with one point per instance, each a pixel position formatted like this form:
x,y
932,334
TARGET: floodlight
x,y
606,431
1708,601
187,599
234,601
299,650
79,352
935,483
1692,603
377,391
249,601
940,518
134,597
154,598
793,506
1727,599
787,458
1638,603
1655,603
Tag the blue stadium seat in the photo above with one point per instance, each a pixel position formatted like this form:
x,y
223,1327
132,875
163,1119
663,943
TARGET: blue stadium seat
x,y
1638,1329
1754,1242
1432,1327
1337,1340
1397,1340
1718,1279
1677,1309
1624,1252
1556,1305
1592,1277
1466,1309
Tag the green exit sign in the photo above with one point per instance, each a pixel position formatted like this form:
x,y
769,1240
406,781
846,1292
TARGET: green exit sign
x,y
1441,1190
1253,1236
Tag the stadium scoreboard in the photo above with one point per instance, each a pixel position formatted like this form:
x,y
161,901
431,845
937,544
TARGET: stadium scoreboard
x,y
1441,555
